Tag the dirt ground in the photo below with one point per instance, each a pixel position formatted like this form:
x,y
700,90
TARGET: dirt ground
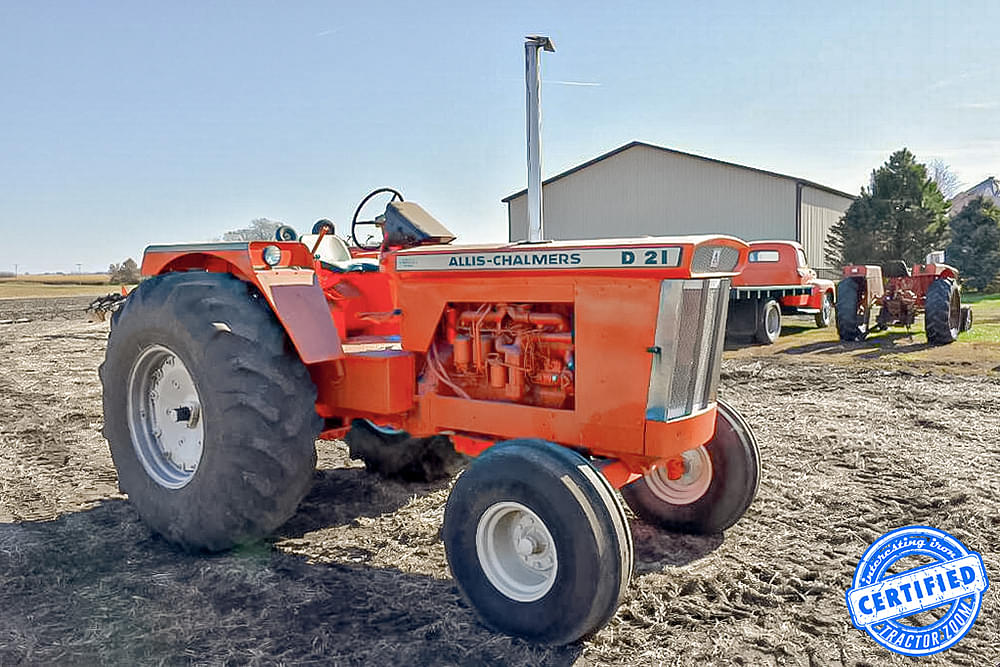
x,y
850,451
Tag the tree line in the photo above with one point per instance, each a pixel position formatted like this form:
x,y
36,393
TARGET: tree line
x,y
903,214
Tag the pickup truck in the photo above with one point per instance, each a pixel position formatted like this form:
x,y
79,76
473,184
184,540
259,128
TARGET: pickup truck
x,y
777,281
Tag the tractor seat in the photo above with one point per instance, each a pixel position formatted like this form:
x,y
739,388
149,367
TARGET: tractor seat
x,y
333,254
896,268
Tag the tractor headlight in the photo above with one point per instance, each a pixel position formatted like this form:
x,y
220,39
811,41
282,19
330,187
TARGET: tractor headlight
x,y
272,255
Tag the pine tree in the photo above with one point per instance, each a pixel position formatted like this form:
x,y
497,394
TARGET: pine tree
x,y
901,216
975,243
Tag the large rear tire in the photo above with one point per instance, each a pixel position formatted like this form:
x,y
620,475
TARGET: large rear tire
x,y
719,483
943,312
853,313
208,411
537,542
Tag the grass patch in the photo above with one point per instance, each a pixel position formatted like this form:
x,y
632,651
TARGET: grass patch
x,y
985,318
976,352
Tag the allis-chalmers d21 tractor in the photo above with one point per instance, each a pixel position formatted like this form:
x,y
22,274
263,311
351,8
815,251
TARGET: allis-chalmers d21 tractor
x,y
931,287
569,369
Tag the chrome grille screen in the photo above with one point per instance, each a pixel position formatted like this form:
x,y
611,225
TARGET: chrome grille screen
x,y
713,258
690,333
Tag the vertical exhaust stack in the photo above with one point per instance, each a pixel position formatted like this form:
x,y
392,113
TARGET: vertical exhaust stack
x,y
533,84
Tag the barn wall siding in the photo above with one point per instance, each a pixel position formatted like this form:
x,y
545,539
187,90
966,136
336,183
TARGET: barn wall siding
x,y
645,191
819,212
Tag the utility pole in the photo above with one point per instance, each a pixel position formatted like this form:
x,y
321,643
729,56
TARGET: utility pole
x,y
15,270
79,270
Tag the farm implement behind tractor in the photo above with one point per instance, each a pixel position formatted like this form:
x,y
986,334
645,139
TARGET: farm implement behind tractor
x,y
100,308
901,294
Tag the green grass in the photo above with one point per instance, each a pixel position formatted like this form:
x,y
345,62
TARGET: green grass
x,y
985,318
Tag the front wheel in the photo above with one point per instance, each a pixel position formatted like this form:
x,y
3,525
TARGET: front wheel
x,y
396,454
826,312
537,542
718,483
208,411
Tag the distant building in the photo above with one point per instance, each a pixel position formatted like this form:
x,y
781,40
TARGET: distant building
x,y
990,189
640,189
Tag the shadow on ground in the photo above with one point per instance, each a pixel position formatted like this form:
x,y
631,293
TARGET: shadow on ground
x,y
95,587
890,343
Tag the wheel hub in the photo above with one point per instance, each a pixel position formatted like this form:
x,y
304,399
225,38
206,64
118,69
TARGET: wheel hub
x,y
682,486
164,417
516,551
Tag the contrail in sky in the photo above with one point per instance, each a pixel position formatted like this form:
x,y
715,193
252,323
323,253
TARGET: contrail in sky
x,y
574,83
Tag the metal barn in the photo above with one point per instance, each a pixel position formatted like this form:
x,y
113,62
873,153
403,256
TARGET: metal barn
x,y
640,189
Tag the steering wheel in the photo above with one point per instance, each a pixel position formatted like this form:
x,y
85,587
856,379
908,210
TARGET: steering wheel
x,y
355,223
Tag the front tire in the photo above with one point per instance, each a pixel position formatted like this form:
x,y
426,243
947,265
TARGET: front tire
x,y
769,323
396,454
943,312
537,542
719,483
853,313
208,412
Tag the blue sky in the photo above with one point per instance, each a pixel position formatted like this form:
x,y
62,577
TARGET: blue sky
x,y
127,123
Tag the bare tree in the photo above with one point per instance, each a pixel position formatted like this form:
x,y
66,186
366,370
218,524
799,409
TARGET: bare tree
x,y
260,229
947,180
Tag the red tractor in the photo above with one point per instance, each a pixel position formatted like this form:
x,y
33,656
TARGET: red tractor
x,y
901,293
569,369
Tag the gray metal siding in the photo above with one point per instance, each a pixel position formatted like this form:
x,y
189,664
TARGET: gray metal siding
x,y
818,213
645,191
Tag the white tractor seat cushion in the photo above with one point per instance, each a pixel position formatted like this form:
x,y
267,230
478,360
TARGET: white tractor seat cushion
x,y
332,250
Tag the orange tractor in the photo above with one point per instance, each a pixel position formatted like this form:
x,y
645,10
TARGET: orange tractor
x,y
568,369
901,293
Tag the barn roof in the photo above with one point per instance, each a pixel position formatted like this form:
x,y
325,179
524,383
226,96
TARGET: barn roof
x,y
633,144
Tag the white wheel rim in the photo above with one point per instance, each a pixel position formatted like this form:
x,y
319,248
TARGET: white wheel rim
x,y
516,551
164,417
691,485
773,321
827,309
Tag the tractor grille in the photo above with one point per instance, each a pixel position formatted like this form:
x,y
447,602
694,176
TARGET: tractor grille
x,y
690,332
714,259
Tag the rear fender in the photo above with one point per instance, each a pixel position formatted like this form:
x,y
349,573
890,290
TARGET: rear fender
x,y
936,270
291,289
870,276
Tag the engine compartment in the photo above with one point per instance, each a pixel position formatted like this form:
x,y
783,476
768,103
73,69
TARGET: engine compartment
x,y
518,353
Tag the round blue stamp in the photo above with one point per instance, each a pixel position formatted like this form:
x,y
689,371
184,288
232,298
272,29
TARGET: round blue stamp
x,y
953,580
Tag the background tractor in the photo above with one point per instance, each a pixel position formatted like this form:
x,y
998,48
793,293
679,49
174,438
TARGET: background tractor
x,y
569,369
901,293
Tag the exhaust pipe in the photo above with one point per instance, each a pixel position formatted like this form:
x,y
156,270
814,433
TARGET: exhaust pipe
x,y
533,84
